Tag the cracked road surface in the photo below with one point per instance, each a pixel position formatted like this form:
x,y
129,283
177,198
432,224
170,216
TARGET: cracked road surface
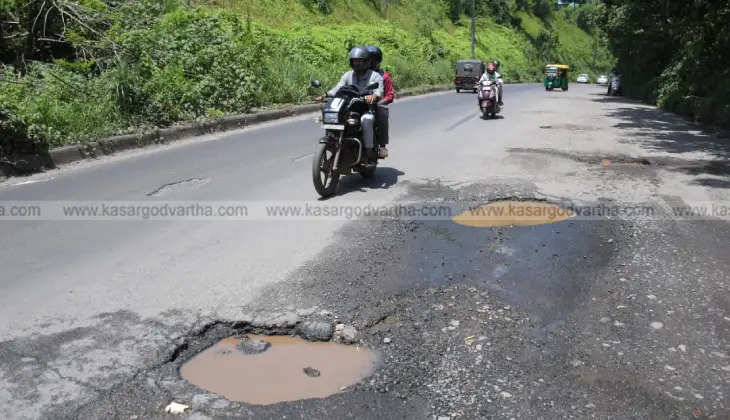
x,y
624,316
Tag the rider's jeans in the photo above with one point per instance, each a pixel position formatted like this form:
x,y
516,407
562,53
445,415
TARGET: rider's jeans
x,y
368,133
382,119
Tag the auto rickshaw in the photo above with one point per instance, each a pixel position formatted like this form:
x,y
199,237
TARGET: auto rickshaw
x,y
556,76
468,73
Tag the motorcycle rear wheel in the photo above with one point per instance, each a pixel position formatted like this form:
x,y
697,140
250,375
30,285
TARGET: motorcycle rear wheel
x,y
324,178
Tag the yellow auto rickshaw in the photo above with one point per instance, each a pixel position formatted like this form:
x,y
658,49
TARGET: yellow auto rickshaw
x,y
556,76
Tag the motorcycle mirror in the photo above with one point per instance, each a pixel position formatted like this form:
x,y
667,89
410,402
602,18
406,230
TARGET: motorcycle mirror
x,y
316,84
373,86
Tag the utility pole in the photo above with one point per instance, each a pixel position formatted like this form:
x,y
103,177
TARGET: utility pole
x,y
473,27
595,50
550,48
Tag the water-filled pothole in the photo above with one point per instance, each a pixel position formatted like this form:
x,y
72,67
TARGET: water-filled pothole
x,y
513,213
272,369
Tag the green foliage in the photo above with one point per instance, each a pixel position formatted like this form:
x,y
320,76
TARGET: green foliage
x,y
673,54
542,8
583,21
145,63
58,105
321,5
456,8
500,10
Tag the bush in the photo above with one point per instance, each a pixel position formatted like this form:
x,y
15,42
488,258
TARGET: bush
x,y
456,8
583,21
542,9
321,5
58,105
19,153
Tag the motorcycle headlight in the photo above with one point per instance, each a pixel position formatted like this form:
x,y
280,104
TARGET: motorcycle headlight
x,y
331,118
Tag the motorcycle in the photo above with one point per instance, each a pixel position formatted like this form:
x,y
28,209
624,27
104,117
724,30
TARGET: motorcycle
x,y
341,151
488,99
614,86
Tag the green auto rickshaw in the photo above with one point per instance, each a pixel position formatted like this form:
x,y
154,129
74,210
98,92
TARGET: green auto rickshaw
x,y
556,76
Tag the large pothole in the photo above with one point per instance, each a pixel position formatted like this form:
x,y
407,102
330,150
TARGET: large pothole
x,y
272,369
513,213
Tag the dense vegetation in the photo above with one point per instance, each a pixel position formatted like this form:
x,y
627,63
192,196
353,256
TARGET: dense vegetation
x,y
75,70
675,54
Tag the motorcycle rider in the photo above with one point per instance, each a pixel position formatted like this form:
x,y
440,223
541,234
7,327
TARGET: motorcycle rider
x,y
362,77
491,74
610,79
383,114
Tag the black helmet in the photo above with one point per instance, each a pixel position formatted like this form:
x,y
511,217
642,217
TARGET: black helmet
x,y
360,53
376,55
496,64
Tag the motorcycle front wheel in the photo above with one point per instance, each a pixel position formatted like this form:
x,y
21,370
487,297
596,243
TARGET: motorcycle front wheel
x,y
324,178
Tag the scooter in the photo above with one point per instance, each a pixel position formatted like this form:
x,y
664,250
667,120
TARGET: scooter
x,y
488,99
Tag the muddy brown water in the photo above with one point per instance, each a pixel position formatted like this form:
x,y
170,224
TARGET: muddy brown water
x,y
278,374
513,213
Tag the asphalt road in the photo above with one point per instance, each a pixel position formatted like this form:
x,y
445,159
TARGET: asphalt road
x,y
625,316
147,268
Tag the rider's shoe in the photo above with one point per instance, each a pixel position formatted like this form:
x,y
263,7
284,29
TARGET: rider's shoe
x,y
382,152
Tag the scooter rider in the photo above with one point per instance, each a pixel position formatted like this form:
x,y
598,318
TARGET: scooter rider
x,y
491,74
382,118
362,77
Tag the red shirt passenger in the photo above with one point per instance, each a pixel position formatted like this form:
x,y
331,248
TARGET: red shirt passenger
x,y
388,92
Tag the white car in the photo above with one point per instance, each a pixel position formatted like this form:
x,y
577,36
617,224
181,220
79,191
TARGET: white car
x,y
602,80
583,78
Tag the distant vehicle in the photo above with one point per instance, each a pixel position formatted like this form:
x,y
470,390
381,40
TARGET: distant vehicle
x,y
556,77
602,80
468,73
583,78
614,86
